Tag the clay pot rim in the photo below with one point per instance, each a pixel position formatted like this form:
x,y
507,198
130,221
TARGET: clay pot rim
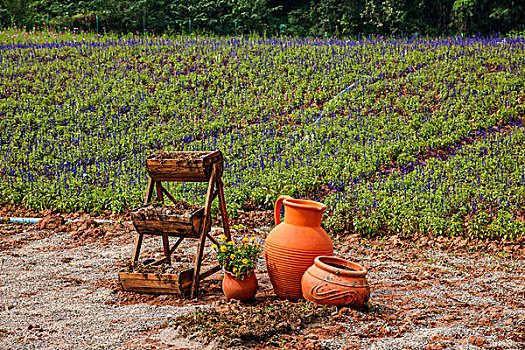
x,y
232,274
304,204
352,269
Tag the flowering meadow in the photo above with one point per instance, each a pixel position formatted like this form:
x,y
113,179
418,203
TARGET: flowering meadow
x,y
394,135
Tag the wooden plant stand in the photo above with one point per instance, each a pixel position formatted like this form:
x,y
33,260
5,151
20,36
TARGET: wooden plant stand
x,y
181,167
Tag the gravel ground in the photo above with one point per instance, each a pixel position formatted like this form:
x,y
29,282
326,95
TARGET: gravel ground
x,y
429,299
51,297
59,293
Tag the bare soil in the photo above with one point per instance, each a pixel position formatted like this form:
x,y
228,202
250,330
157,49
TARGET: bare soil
x,y
59,289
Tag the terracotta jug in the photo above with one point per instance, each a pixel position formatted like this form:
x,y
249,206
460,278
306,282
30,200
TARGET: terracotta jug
x,y
337,282
291,247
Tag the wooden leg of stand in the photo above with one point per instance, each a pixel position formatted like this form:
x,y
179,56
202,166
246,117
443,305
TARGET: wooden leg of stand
x,y
224,212
204,230
160,197
149,191
197,267
166,245
136,251
179,241
165,191
211,238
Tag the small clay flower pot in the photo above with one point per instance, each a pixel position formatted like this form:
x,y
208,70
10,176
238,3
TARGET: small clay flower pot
x,y
240,289
336,282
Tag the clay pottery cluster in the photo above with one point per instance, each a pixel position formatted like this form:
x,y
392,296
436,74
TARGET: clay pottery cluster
x,y
337,282
242,289
292,246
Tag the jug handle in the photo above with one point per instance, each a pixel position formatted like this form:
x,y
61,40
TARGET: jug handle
x,y
277,210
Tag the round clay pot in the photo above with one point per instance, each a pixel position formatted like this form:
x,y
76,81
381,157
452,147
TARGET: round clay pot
x,y
337,282
291,247
239,289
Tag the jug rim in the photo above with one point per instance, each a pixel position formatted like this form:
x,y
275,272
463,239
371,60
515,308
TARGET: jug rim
x,y
304,204
340,266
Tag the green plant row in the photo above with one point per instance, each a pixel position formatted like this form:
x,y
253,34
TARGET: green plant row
x,y
331,120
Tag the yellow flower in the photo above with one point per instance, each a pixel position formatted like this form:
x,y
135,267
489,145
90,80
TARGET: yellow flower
x,y
246,245
223,248
231,243
232,256
234,269
245,239
239,249
244,261
214,246
253,239
224,238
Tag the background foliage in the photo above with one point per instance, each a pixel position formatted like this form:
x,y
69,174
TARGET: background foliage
x,y
314,17
427,136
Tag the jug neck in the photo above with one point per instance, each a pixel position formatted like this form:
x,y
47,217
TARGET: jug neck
x,y
303,213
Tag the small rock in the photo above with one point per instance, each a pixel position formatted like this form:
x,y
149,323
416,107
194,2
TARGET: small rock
x,y
435,338
395,240
435,347
478,341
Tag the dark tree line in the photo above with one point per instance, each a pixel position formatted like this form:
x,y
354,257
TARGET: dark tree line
x,y
296,17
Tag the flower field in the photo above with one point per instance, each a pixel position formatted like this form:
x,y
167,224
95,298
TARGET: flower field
x,y
397,135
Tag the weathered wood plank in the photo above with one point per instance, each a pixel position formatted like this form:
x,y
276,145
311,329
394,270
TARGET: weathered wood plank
x,y
150,290
172,229
150,283
176,174
175,225
173,277
186,166
215,156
